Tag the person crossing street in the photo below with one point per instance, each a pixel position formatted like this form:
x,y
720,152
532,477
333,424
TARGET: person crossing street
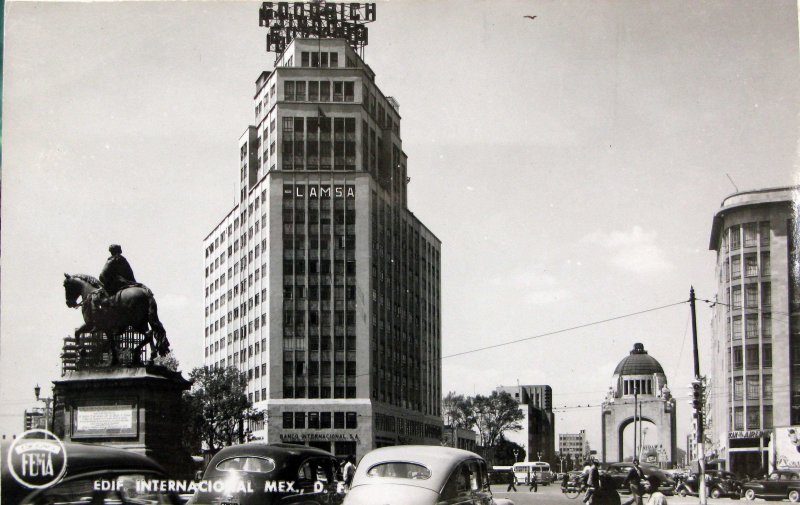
x,y
532,482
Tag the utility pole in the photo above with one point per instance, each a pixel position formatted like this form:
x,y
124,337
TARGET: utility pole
x,y
641,434
635,416
698,405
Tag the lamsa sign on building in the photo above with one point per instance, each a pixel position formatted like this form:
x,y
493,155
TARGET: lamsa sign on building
x,y
320,284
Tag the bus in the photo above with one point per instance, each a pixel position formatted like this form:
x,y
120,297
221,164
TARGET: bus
x,y
539,468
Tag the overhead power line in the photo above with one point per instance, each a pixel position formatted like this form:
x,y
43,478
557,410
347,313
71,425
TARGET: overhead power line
x,y
564,330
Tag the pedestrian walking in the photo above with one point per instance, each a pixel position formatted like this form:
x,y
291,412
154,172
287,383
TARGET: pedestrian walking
x,y
512,484
533,485
349,471
656,496
634,481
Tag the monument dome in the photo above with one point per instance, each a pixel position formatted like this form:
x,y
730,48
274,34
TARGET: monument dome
x,y
638,362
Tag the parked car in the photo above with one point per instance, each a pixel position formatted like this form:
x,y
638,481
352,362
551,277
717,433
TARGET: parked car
x,y
265,474
726,484
619,471
95,475
421,475
778,485
718,485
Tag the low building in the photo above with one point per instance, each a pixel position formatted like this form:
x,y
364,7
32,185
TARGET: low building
x,y
573,447
460,438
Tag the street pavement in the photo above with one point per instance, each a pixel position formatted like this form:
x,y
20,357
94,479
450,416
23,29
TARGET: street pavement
x,y
552,494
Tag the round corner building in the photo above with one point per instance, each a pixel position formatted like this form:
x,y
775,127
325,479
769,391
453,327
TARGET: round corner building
x,y
320,284
638,414
755,328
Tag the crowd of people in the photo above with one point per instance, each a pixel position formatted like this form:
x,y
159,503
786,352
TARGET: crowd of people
x,y
600,488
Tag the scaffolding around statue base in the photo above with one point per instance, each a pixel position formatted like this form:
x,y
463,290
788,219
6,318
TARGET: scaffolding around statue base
x,y
97,350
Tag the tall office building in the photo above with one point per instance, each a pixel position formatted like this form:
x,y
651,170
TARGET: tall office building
x,y
320,284
538,424
755,380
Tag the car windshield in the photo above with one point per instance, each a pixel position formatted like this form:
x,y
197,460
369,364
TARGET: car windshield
x,y
250,464
399,470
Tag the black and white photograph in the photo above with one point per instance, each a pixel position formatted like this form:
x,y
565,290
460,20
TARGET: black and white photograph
x,y
504,252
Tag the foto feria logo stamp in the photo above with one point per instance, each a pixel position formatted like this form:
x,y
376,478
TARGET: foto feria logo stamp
x,y
37,459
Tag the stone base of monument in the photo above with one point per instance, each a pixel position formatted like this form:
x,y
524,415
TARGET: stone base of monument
x,y
138,409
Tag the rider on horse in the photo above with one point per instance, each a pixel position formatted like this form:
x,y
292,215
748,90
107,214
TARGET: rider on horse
x,y
117,272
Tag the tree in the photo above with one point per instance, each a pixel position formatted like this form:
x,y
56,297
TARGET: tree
x,y
458,411
170,362
504,452
215,407
494,415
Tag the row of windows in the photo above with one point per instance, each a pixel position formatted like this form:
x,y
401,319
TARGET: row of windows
x,y
751,356
748,234
323,59
753,418
751,295
750,326
734,270
637,386
314,392
320,420
319,91
755,389
309,145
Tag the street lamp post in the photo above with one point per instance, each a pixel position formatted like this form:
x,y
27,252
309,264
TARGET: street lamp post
x,y
516,453
47,401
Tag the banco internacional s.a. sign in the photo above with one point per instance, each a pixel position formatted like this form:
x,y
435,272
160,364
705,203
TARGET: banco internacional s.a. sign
x,y
287,20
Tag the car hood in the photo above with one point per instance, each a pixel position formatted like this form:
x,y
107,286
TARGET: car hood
x,y
390,494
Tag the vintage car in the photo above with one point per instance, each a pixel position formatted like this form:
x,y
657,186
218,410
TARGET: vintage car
x,y
94,475
421,475
619,471
719,484
779,485
264,474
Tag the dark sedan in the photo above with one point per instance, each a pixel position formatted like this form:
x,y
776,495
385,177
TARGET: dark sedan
x,y
779,485
258,473
619,471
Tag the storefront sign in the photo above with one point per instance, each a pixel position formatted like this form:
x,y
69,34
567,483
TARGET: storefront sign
x,y
304,437
743,434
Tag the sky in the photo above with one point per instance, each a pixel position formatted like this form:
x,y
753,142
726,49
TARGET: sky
x,y
570,164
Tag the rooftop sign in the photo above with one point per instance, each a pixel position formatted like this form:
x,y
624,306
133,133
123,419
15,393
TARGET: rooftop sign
x,y
288,20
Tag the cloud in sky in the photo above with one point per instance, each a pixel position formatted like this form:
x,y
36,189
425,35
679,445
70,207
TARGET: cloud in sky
x,y
634,250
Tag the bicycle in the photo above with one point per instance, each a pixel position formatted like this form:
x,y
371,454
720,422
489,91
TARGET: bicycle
x,y
572,490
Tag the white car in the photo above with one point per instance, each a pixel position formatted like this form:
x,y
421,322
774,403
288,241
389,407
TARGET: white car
x,y
421,475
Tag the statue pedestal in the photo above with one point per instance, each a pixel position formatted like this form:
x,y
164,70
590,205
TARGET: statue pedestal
x,y
138,409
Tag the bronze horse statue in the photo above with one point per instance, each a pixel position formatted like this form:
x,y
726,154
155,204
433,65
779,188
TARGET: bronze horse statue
x,y
133,306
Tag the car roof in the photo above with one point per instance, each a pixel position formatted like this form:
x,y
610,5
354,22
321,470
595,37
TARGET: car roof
x,y
82,459
287,457
441,461
87,458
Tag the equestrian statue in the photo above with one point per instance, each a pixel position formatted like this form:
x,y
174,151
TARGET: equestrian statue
x,y
115,303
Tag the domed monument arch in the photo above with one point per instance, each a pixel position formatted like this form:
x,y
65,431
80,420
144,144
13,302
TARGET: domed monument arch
x,y
638,414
